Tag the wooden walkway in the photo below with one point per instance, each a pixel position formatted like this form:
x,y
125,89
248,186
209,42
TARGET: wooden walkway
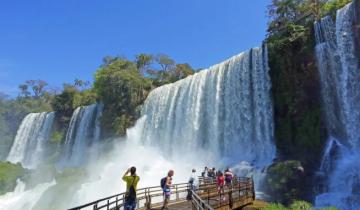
x,y
206,197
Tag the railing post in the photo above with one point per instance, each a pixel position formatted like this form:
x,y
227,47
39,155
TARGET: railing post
x,y
116,203
108,203
148,198
177,193
95,207
253,189
230,198
208,197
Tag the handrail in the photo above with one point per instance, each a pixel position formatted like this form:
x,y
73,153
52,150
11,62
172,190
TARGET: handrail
x,y
240,193
241,188
198,203
142,194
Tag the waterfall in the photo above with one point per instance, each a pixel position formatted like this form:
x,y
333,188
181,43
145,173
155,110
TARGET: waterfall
x,y
23,198
83,132
222,113
340,76
28,146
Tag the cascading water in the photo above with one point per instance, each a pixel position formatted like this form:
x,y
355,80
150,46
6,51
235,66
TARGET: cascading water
x,y
28,146
22,198
223,114
340,78
218,117
83,131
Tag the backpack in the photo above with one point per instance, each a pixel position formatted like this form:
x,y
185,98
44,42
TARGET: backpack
x,y
163,182
131,194
191,180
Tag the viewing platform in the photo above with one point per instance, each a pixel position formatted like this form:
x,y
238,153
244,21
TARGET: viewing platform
x,y
239,194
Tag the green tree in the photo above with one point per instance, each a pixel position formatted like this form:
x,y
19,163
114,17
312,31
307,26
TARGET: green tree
x,y
183,70
37,86
166,63
63,102
143,61
24,90
121,88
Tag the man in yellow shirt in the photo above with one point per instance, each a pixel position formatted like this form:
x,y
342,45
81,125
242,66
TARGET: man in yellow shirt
x,y
131,186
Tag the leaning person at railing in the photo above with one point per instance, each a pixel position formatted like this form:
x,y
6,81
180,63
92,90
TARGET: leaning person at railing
x,y
220,181
193,184
131,185
166,183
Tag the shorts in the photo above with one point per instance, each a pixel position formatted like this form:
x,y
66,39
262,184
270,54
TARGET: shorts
x,y
167,193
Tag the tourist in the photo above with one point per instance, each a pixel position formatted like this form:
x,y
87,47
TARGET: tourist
x,y
131,185
205,172
228,177
193,184
213,173
166,185
220,181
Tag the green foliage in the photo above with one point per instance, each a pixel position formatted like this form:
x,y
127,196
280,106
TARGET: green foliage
x,y
63,102
143,61
300,131
275,206
331,6
70,98
284,181
121,88
57,136
84,98
165,62
301,205
328,208
296,205
9,173
12,112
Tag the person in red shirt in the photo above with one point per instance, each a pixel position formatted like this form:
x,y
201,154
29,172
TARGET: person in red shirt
x,y
220,181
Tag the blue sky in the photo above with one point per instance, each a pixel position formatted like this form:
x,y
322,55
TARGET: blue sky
x,y
58,41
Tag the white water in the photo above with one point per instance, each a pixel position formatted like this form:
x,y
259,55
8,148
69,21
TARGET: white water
x,y
218,117
21,199
28,146
223,113
106,174
83,132
340,78
212,118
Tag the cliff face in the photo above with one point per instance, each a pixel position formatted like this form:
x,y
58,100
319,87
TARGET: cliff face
x,y
300,131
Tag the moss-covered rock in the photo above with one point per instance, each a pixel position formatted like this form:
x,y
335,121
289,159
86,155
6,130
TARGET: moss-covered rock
x,y
285,181
9,173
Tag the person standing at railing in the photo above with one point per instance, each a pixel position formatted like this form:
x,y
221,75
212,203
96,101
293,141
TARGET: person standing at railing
x,y
131,186
166,183
193,184
228,177
220,182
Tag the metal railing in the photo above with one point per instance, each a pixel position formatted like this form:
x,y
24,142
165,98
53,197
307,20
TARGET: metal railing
x,y
145,197
239,193
205,197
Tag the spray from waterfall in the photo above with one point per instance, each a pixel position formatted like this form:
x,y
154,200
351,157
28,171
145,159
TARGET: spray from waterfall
x,y
340,76
219,117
